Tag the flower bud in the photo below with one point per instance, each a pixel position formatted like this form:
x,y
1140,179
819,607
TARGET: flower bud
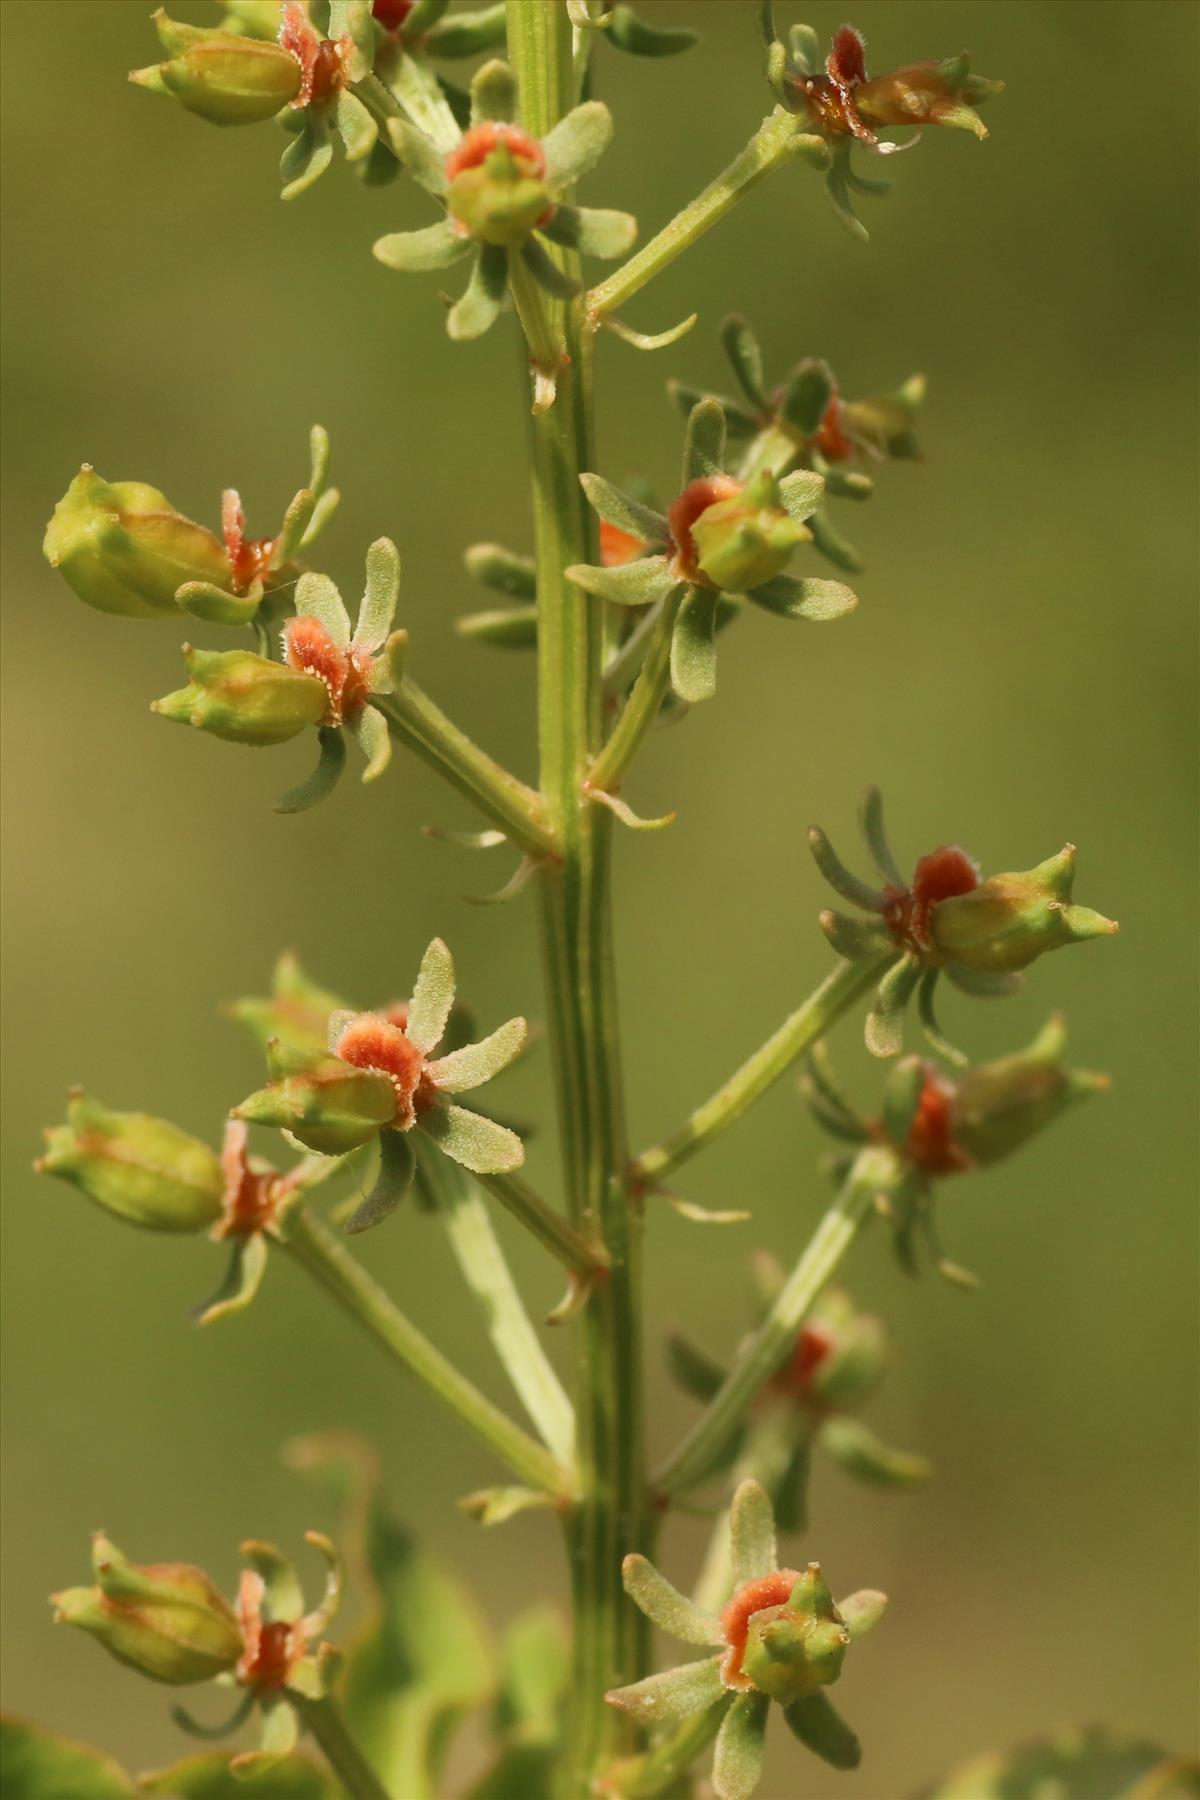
x,y
844,1353
927,93
747,537
497,184
142,1169
329,1105
998,1105
122,547
245,698
225,78
166,1620
1008,921
792,1645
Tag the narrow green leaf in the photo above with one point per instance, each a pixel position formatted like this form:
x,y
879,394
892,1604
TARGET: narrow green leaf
x,y
833,546
331,761
855,939
673,1693
860,1453
704,441
296,521
36,1764
884,1030
752,1533
633,35
396,1169
623,511
934,1034
467,33
836,187
318,598
419,155
307,156
502,628
813,599
695,1371
810,387
546,272
242,1281
502,569
479,1144
823,1731
802,492
839,876
640,583
204,600
356,128
577,142
416,252
594,231
474,1064
875,834
648,340
432,998
323,511
862,1611
479,307
694,646
493,93
622,810
374,740
742,348
378,608
662,1603
741,1742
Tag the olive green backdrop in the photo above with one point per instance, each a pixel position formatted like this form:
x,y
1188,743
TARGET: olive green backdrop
x,y
1019,672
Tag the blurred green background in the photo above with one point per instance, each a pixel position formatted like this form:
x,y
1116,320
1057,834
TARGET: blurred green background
x,y
1020,672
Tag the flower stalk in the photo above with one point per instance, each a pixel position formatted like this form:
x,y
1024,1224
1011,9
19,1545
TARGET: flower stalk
x,y
324,1722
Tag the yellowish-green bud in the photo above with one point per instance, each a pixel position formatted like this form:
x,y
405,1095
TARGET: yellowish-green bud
x,y
222,77
245,698
1008,921
797,1647
327,1104
166,1620
142,1169
123,548
998,1105
746,538
497,184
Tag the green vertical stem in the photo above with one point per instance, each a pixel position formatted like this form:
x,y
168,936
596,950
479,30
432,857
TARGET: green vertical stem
x,y
576,931
323,1720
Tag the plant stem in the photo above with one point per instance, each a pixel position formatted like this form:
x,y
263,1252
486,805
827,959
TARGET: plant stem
x,y
771,1340
326,1257
573,1251
798,1033
516,1343
422,726
642,1777
323,1720
777,138
643,705
609,1644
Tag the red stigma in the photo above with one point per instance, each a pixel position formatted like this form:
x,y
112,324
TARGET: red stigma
x,y
942,875
310,650
374,1043
931,1143
481,140
392,13
321,59
695,499
247,557
617,546
831,440
754,1597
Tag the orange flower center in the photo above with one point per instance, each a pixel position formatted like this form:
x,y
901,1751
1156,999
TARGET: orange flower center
x,y
346,673
813,1344
617,546
478,143
374,1043
322,65
695,499
248,557
754,1597
942,875
931,1143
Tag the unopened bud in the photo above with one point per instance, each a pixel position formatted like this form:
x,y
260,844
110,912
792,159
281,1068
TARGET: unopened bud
x,y
330,1106
797,1647
747,537
927,93
998,1105
142,1169
166,1620
497,178
222,77
245,698
122,547
1008,921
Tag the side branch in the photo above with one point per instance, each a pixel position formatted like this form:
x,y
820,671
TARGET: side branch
x,y
326,1258
805,1027
574,1251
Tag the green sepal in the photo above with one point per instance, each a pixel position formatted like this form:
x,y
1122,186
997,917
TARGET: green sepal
x,y
432,997
837,188
884,1030
473,1064
801,493
862,1455
641,583
243,1278
216,606
626,31
751,1533
814,599
479,1144
739,422
902,1090
318,598
871,823
331,761
329,1106
297,1011
810,387
742,348
806,49
855,939
839,877
466,33
501,569
666,1607
821,1729
374,739
704,442
356,128
741,1741
37,1764
692,1368
594,231
493,93
479,307
694,648
672,1693
294,530
419,156
397,1165
503,628
833,546
575,145
283,1597
416,252
934,1034
307,156
861,1611
624,512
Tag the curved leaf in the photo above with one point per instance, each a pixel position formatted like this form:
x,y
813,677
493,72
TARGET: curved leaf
x,y
37,1764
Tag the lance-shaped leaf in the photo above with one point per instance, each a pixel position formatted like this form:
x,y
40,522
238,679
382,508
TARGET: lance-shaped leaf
x,y
479,1144
802,492
862,1611
247,1265
875,834
812,599
741,1741
493,93
745,355
739,422
503,570
432,998
479,307
670,1610
822,1730
36,1764
855,939
576,143
839,876
628,32
833,546
860,1453
396,1168
902,1092
946,1050
464,33
318,598
378,607
626,513
884,1030
374,740
417,252
672,1694
694,646
704,442
640,583
356,128
806,397
474,1064
752,1533
697,1373
592,230
307,156
419,155
331,761
648,340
